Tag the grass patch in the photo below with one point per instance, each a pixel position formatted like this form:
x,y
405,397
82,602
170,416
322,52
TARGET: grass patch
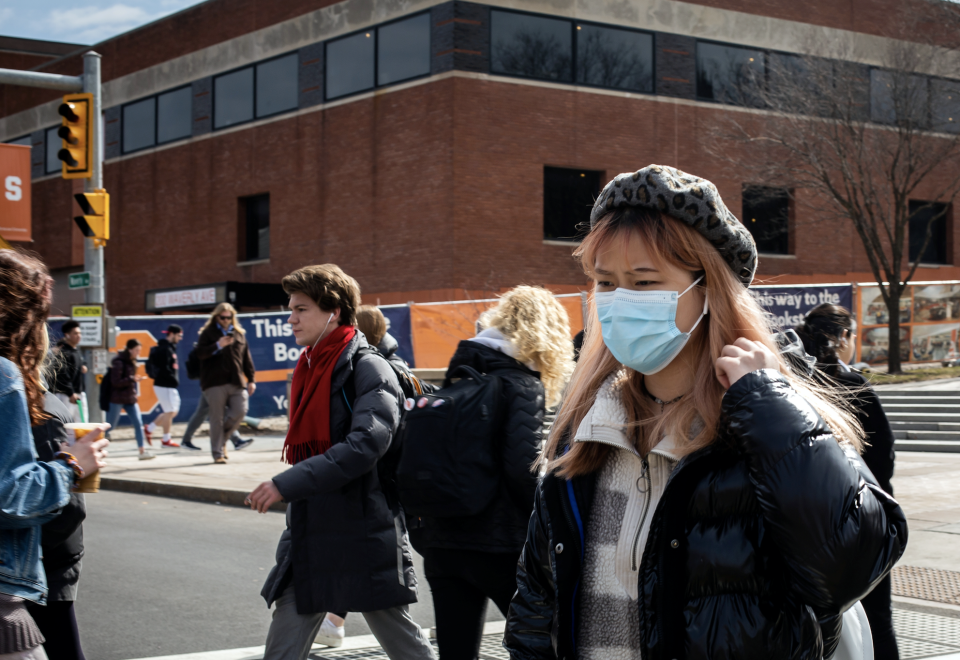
x,y
912,376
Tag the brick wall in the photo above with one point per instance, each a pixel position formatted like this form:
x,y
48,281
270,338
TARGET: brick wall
x,y
419,193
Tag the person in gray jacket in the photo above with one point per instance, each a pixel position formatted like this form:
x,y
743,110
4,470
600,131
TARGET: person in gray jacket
x,y
345,549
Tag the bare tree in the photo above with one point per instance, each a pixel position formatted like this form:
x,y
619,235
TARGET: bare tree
x,y
860,143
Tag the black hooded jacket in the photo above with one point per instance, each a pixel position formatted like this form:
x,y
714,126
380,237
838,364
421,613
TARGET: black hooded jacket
x,y
502,526
758,544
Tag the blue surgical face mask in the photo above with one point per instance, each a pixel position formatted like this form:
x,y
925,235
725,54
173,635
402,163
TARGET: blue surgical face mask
x,y
640,327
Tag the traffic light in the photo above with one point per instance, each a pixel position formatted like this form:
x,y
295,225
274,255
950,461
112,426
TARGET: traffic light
x,y
77,133
95,221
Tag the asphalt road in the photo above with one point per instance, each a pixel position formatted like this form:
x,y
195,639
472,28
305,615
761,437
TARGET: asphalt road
x,y
164,577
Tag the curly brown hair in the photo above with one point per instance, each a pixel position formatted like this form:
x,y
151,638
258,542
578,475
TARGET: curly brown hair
x,y
25,296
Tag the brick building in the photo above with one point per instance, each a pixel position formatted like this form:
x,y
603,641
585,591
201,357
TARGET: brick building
x,y
435,149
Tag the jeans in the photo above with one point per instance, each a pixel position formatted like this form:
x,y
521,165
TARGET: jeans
x,y
291,634
461,581
133,412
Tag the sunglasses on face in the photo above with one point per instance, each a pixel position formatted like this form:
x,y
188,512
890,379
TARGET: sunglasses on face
x,y
226,317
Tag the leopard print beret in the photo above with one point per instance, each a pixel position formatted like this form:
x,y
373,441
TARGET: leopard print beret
x,y
691,200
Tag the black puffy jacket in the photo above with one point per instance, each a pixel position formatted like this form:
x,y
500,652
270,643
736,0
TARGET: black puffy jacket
x,y
502,526
758,544
345,549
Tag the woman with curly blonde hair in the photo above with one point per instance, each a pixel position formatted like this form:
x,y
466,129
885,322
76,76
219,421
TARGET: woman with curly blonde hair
x,y
525,341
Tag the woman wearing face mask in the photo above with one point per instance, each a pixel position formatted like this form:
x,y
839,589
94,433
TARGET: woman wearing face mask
x,y
828,333
699,500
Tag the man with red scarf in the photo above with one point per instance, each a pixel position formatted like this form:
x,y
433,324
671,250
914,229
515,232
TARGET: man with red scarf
x,y
345,548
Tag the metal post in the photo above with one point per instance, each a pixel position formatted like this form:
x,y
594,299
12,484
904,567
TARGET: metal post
x,y
93,255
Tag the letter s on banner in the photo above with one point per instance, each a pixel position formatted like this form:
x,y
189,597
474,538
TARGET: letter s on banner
x,y
14,191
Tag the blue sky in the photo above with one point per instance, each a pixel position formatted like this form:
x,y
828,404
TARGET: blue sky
x,y
81,21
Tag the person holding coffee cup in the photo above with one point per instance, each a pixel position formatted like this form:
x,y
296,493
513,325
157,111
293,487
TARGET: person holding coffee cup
x,y
31,492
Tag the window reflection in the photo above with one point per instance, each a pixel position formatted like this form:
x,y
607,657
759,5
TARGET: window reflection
x,y
277,85
350,65
898,98
766,214
531,46
54,144
945,105
403,50
729,74
139,124
174,115
609,57
233,98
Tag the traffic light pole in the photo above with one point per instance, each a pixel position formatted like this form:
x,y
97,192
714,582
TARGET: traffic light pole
x,y
92,253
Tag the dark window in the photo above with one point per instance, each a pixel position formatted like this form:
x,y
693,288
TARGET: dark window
x,y
254,227
350,65
766,213
277,88
233,98
607,57
898,98
531,46
568,196
139,125
174,115
945,105
921,213
403,50
729,74
54,144
24,141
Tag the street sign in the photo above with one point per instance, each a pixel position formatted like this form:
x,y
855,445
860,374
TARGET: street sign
x,y
79,280
101,361
90,318
15,192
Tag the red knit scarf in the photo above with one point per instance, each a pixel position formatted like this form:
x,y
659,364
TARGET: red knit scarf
x,y
309,433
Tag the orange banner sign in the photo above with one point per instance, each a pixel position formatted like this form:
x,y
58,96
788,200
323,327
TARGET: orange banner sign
x,y
15,192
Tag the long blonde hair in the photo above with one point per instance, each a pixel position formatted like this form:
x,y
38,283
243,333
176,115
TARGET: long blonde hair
x,y
733,314
220,309
539,329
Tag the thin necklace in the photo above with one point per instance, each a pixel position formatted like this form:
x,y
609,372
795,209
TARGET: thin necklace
x,y
661,401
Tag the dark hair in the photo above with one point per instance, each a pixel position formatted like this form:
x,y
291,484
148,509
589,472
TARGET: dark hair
x,y
329,287
821,331
69,326
25,291
173,328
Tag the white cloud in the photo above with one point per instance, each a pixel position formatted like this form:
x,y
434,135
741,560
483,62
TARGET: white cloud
x,y
93,24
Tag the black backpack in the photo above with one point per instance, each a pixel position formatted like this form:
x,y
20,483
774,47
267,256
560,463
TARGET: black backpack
x,y
449,465
193,363
106,389
412,388
151,365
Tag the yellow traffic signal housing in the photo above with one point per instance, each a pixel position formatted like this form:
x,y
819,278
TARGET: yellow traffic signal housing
x,y
77,133
95,221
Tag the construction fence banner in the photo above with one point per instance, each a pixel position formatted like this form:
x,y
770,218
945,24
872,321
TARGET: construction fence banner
x,y
274,351
790,303
929,322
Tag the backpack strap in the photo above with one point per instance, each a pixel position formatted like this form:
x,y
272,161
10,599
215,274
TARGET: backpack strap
x,y
349,389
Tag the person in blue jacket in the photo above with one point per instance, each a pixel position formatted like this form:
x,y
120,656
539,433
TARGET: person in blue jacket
x,y
31,492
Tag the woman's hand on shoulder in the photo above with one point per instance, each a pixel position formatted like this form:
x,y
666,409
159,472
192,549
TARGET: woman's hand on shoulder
x,y
740,358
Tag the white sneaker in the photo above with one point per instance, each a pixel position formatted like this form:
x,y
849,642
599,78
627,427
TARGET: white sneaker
x,y
330,635
146,456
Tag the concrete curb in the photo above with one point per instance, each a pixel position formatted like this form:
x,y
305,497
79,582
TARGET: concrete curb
x,y
224,496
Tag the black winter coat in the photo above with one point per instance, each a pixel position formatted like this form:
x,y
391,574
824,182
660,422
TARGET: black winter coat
x,y
62,538
502,526
758,544
68,378
164,360
879,455
344,548
123,381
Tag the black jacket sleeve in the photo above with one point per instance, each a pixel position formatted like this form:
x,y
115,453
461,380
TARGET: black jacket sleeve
x,y
118,374
530,619
838,532
879,453
376,414
248,369
207,342
522,437
47,438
